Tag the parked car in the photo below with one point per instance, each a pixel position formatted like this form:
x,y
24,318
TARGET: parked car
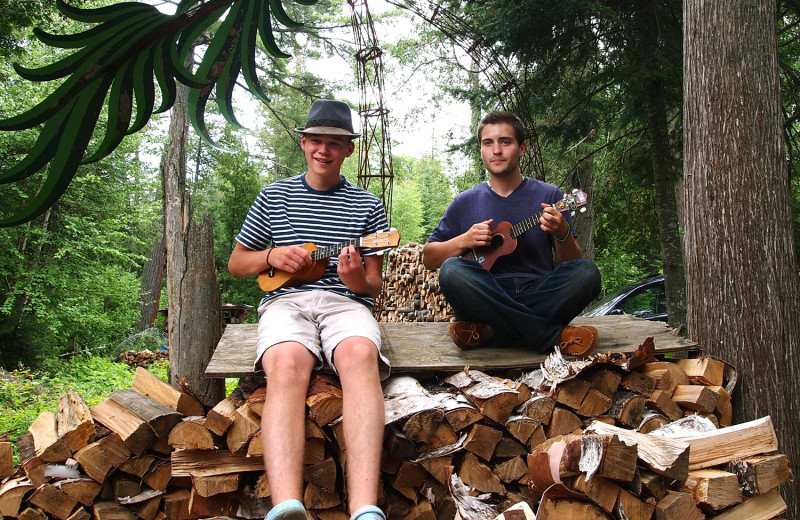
x,y
644,299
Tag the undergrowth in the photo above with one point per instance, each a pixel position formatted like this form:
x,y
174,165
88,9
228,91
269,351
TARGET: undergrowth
x,y
24,394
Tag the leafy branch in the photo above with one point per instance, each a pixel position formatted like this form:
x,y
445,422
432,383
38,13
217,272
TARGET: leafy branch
x,y
132,48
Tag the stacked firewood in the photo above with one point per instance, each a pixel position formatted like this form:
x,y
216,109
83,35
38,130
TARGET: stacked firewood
x,y
411,292
609,437
141,358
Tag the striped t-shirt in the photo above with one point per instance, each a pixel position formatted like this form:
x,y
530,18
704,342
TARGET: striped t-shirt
x,y
289,212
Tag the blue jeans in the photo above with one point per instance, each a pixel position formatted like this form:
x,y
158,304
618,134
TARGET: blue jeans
x,y
523,312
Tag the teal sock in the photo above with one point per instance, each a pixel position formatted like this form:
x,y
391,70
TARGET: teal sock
x,y
287,510
368,513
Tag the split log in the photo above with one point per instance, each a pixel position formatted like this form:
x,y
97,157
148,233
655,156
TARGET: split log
x,y
84,490
75,425
216,484
519,511
759,507
606,381
627,408
220,417
695,397
110,510
246,423
562,422
479,476
704,370
137,466
665,456
189,463
491,395
151,386
6,459
132,430
662,401
100,457
727,444
594,403
561,509
724,409
605,456
511,470
539,407
323,474
12,492
632,508
638,382
761,474
53,501
324,399
571,393
602,492
408,402
192,434
677,506
458,411
713,489
159,417
210,507
482,440
48,447
522,428
667,375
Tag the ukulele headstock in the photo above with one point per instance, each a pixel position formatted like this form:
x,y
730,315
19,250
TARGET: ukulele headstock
x,y
576,199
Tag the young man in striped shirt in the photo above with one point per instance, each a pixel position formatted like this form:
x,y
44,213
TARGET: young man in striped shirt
x,y
324,321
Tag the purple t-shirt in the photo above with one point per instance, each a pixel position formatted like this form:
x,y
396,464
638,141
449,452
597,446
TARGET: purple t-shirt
x,y
533,256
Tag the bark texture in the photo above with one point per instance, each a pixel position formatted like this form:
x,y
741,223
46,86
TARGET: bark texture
x,y
194,315
742,274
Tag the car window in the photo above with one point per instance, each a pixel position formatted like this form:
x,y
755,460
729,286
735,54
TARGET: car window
x,y
646,302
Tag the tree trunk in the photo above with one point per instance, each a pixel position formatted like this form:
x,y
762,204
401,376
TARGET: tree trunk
x,y
665,176
583,179
194,313
743,287
152,280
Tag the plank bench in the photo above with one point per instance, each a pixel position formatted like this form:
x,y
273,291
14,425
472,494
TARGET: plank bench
x,y
416,348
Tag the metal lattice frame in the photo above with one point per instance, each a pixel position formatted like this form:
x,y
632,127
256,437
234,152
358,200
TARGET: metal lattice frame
x,y
375,149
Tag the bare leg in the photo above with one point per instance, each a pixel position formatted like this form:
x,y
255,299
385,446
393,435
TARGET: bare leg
x,y
288,369
356,360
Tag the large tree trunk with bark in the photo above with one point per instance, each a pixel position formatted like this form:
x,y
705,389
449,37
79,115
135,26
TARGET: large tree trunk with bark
x,y
194,314
742,274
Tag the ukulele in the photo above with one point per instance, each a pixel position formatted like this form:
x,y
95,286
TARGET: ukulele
x,y
504,235
273,279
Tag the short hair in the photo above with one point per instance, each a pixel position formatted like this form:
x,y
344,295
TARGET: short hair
x,y
501,116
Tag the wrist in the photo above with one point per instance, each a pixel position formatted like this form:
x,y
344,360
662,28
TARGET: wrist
x,y
269,252
566,236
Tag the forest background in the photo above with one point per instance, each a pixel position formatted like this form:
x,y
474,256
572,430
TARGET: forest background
x,y
602,81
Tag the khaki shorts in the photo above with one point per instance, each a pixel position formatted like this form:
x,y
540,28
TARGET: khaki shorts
x,y
318,320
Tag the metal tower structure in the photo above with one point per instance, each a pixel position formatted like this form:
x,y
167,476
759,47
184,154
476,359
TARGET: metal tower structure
x,y
375,147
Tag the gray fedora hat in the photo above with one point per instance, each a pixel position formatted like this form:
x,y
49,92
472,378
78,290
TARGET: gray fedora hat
x,y
329,117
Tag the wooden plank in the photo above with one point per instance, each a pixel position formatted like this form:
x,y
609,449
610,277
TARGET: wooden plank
x,y
414,348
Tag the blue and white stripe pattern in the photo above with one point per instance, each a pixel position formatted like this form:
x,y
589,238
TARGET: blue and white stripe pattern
x,y
289,212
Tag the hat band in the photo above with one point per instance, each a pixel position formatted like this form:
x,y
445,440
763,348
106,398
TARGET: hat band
x,y
312,123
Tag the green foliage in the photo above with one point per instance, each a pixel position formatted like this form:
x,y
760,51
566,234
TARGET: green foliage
x,y
24,393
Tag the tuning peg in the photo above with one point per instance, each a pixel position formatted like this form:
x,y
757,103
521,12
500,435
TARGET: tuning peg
x,y
572,213
583,210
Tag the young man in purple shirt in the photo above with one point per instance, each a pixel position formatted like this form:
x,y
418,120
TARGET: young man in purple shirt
x,y
529,295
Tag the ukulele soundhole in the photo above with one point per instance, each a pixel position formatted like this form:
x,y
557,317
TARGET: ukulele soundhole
x,y
497,241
